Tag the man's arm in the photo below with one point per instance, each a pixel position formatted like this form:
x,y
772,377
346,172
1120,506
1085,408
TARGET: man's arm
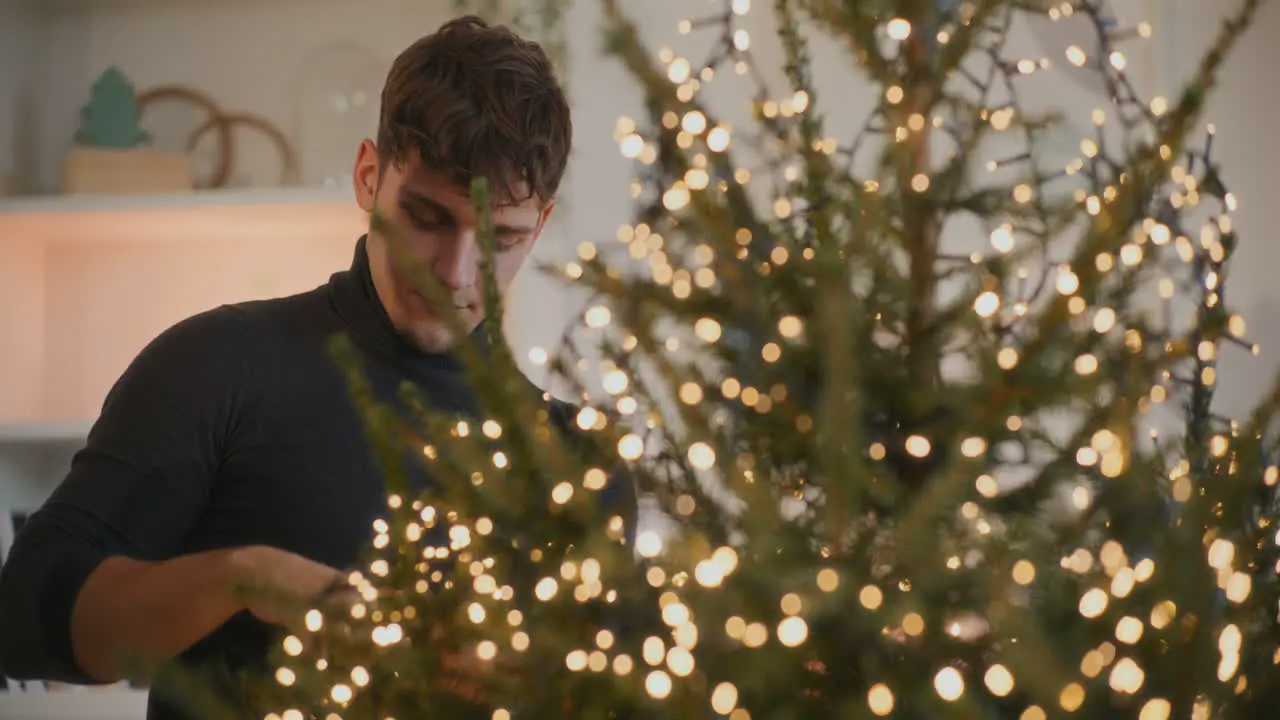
x,y
148,612
90,582
128,611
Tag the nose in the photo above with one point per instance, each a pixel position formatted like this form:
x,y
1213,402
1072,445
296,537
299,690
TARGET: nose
x,y
457,261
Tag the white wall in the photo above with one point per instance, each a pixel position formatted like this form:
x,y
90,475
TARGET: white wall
x,y
1244,108
15,50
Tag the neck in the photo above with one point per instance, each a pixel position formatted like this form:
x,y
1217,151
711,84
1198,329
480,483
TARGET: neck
x,y
375,264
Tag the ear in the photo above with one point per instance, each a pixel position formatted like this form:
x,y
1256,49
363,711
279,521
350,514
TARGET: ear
x,y
543,216
366,175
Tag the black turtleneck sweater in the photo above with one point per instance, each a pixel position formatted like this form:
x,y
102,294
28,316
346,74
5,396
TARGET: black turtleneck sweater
x,y
232,428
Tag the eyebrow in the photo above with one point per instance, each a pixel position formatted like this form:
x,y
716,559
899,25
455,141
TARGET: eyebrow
x,y
409,197
412,197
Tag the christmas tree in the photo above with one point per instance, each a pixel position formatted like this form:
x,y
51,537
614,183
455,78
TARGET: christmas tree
x,y
112,118
899,481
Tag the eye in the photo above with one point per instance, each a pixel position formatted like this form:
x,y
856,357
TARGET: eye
x,y
510,242
426,224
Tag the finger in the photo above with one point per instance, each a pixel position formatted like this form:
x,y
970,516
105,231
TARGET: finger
x,y
342,599
816,666
463,688
337,585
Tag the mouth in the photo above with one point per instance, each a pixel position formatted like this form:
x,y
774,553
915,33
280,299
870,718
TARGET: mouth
x,y
429,307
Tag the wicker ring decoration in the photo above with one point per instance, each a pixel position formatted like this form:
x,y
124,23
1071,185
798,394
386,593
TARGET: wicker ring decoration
x,y
224,122
226,149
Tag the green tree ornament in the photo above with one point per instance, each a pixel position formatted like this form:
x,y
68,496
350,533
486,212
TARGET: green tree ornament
x,y
112,119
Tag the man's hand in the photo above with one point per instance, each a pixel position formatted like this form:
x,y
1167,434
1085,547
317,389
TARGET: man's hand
x,y
277,581
461,671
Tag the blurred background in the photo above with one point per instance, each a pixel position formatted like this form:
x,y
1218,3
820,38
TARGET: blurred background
x,y
253,111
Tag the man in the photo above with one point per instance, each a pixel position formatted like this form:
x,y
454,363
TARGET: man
x,y
229,450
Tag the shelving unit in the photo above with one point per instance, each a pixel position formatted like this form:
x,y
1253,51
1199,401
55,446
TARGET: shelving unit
x,y
180,217
71,205
87,282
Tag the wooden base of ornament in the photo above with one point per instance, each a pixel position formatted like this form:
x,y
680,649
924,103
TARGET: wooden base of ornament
x,y
94,171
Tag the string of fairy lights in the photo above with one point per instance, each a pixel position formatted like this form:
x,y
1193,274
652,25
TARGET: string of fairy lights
x,y
732,46
684,168
1101,173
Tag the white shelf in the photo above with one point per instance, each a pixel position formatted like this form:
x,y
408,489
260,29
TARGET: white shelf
x,y
158,201
52,432
77,704
204,215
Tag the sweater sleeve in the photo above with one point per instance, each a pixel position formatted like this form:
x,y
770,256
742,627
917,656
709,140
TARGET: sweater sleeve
x,y
135,489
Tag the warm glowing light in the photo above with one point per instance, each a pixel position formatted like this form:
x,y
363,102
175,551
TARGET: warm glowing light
x,y
949,684
724,698
1002,238
658,684
880,699
1129,630
1156,709
828,580
678,71
1007,358
701,456
1126,676
1024,573
630,447
649,544
707,329
546,588
986,304
790,326
1071,697
631,146
1067,282
718,139
1093,603
598,316
998,680
792,631
562,493
918,446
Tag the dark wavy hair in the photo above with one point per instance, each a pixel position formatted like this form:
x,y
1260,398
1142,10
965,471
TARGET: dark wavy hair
x,y
476,100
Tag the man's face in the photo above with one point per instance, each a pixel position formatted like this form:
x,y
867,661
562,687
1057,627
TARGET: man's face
x,y
430,220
